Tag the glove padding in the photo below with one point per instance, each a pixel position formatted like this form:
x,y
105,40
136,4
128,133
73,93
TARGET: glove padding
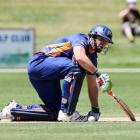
x,y
106,87
105,84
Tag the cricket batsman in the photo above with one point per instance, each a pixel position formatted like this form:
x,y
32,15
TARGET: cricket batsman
x,y
71,59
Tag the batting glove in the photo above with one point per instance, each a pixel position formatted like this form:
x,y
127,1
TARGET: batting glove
x,y
106,87
104,82
104,77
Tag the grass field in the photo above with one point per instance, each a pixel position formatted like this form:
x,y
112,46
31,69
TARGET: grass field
x,y
70,131
51,20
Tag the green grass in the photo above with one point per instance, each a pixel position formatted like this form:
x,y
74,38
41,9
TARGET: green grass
x,y
74,131
16,86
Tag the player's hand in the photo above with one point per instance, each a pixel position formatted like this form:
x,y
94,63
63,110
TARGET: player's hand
x,y
104,77
105,82
106,87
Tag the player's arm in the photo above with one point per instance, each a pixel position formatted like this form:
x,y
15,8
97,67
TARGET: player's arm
x,y
94,113
81,57
123,13
92,90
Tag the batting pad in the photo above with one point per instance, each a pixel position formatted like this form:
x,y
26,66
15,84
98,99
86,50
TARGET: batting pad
x,y
76,86
33,115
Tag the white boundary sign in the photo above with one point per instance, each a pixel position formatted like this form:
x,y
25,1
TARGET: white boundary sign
x,y
16,46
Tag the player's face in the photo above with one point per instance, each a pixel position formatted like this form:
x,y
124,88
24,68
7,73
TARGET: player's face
x,y
101,43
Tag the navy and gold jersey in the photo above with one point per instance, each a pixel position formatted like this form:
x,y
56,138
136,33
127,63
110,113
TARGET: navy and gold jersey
x,y
64,47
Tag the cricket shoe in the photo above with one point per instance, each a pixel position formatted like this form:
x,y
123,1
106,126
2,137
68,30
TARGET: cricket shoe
x,y
75,117
6,114
93,117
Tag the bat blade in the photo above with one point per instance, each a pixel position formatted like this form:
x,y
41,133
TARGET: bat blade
x,y
124,106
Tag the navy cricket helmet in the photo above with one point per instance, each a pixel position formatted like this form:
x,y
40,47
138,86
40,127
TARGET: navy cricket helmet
x,y
103,31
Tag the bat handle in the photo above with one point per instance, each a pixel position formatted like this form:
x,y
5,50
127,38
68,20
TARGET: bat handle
x,y
110,93
113,95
